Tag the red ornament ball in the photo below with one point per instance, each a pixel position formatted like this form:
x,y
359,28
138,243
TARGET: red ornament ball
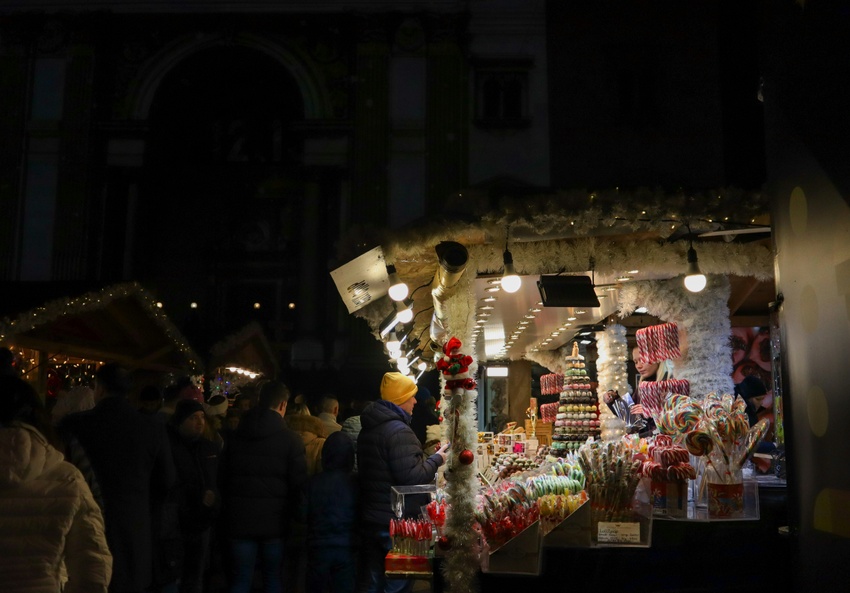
x,y
444,542
466,456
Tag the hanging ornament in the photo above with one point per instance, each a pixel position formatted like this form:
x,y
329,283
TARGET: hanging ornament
x,y
466,457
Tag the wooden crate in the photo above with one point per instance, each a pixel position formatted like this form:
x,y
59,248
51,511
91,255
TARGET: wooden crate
x,y
543,430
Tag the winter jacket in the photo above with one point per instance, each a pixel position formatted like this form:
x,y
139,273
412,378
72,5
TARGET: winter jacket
x,y
264,473
196,463
131,458
312,432
388,454
51,529
332,496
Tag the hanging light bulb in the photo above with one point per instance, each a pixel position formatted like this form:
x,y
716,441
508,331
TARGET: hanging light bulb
x,y
398,290
694,279
404,311
510,280
393,343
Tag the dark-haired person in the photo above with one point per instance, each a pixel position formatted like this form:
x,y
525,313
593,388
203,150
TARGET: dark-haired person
x,y
264,473
51,530
131,458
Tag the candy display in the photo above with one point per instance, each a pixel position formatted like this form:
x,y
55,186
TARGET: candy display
x,y
652,394
549,412
578,408
611,476
503,511
411,547
658,342
508,464
668,468
555,508
552,384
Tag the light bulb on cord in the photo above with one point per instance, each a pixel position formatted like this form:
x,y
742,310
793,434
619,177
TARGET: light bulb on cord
x,y
404,311
398,290
510,280
694,279
393,343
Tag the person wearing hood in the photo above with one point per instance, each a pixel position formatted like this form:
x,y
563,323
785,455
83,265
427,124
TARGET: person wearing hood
x,y
388,454
331,511
52,535
264,473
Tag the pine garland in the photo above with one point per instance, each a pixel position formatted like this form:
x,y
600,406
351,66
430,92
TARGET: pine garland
x,y
458,403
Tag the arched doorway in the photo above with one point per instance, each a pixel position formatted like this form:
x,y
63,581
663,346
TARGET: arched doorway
x,y
219,196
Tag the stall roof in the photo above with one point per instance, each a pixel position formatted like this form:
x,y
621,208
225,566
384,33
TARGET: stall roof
x,y
614,237
119,323
248,349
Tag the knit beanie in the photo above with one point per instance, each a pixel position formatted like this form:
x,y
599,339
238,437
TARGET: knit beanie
x,y
184,409
216,406
397,388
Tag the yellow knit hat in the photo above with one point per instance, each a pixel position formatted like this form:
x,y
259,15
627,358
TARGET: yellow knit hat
x,y
397,388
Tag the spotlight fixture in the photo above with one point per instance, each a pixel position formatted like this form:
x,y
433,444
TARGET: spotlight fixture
x,y
510,279
398,290
694,279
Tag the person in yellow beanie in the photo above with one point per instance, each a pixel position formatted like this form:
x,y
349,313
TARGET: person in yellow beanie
x,y
388,454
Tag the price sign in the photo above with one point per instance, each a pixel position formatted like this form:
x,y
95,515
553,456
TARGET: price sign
x,y
619,533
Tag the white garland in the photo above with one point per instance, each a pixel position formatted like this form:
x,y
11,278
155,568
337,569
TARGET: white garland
x,y
553,360
611,367
707,365
462,563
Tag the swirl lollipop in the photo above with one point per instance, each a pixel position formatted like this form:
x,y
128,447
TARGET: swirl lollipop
x,y
754,437
699,443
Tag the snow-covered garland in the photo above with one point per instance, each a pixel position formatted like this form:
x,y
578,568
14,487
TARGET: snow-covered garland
x,y
458,405
583,213
704,315
553,360
611,368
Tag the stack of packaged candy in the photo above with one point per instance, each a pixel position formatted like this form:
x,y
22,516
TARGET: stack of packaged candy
x,y
653,394
549,412
551,384
668,468
503,511
611,478
578,408
658,342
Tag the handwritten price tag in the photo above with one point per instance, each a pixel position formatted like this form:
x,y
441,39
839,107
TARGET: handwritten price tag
x,y
619,533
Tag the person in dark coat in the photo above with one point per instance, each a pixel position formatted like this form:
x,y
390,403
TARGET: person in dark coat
x,y
423,414
132,461
195,496
331,516
264,474
388,454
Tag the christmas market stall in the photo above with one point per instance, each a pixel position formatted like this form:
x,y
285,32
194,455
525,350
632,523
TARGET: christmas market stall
x,y
59,343
239,361
571,284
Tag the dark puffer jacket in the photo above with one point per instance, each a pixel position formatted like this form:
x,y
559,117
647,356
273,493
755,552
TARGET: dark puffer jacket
x,y
264,473
332,496
388,454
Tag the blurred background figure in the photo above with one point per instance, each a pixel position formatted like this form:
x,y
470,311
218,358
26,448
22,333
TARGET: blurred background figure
x,y
150,399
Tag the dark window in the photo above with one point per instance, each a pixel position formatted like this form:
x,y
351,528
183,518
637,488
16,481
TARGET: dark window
x,y
501,94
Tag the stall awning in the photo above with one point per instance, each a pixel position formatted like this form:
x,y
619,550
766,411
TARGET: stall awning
x,y
119,323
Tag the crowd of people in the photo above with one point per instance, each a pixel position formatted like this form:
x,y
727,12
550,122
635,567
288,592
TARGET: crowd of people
x,y
172,492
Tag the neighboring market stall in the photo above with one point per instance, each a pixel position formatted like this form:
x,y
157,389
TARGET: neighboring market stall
x,y
240,360
585,261
60,342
